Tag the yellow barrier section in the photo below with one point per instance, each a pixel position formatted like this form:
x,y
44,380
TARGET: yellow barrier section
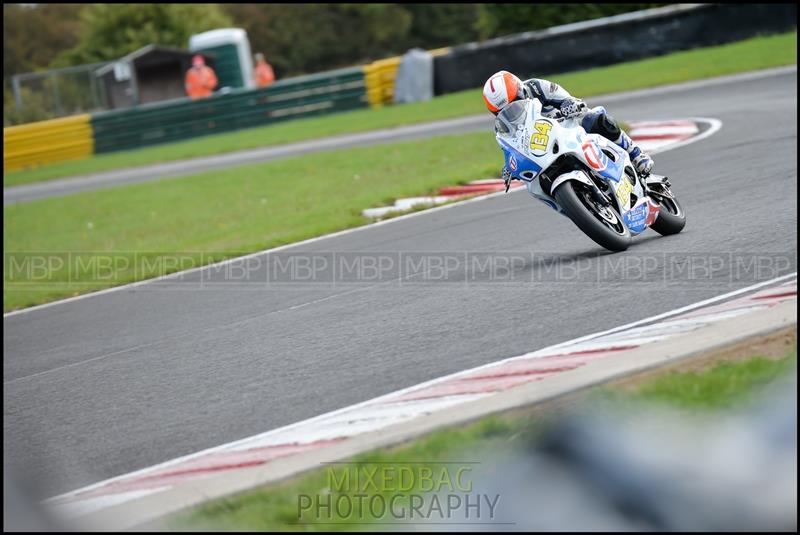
x,y
43,142
379,77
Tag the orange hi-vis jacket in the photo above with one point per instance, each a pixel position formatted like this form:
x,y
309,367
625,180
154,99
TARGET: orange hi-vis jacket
x,y
200,81
264,74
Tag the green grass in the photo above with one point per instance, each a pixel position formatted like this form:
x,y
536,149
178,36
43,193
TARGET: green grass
x,y
275,508
727,385
222,213
756,53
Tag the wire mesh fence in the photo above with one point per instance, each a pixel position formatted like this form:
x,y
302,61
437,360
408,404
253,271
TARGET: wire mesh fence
x,y
55,93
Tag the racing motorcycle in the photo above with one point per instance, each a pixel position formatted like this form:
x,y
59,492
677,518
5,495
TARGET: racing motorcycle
x,y
585,177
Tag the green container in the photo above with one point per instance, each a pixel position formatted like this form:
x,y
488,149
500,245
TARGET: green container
x,y
226,65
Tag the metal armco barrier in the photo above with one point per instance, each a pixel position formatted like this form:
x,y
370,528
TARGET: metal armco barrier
x,y
80,136
331,91
44,142
609,40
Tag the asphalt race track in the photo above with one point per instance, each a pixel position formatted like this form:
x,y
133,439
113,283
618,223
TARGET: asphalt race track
x,y
101,386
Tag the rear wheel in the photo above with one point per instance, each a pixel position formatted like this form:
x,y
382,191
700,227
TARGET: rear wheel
x,y
671,217
602,223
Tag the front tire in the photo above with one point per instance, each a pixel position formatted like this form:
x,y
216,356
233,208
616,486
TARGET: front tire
x,y
602,224
671,217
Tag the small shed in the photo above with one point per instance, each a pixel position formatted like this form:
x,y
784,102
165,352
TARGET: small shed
x,y
150,74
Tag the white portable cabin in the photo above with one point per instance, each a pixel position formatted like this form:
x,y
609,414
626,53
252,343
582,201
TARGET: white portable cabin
x,y
233,58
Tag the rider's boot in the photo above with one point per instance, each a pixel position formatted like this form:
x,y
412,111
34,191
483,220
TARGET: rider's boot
x,y
640,159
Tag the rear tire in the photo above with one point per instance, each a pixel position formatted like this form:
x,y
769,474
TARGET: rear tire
x,y
671,217
606,229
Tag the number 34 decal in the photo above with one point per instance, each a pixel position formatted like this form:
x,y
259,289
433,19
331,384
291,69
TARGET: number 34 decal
x,y
541,137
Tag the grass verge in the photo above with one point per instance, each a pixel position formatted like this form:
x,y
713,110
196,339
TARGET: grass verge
x,y
751,54
64,246
723,386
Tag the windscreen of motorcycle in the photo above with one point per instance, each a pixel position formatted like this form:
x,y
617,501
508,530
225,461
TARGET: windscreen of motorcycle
x,y
511,117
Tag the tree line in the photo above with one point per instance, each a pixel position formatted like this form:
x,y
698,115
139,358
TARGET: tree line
x,y
295,38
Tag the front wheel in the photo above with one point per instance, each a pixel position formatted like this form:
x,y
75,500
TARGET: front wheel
x,y
602,223
671,217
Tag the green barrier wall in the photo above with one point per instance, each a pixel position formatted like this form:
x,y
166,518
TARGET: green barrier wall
x,y
162,122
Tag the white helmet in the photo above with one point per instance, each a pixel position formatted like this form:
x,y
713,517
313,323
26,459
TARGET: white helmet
x,y
501,89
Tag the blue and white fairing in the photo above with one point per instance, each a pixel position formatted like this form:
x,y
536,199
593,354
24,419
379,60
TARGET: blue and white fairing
x,y
528,139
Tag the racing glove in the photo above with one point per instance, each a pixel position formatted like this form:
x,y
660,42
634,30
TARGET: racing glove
x,y
572,107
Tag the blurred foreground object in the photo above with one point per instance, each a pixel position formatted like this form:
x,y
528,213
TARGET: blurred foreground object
x,y
21,512
648,468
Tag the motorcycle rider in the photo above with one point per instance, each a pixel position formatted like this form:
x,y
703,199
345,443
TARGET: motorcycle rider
x,y
503,88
